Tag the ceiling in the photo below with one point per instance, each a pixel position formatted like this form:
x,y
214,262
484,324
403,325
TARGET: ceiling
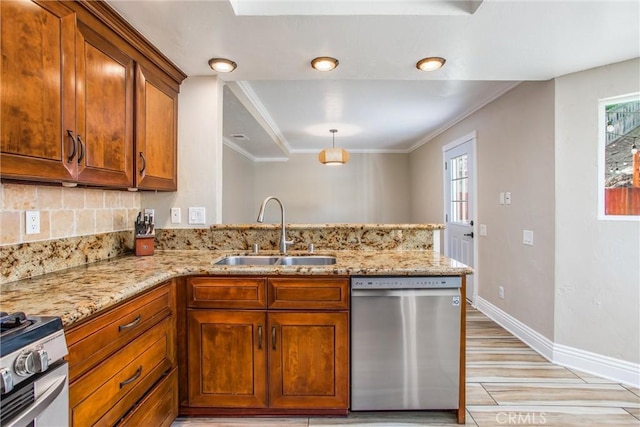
x,y
376,98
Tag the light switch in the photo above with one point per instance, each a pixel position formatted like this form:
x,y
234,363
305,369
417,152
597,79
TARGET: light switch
x,y
483,229
502,197
507,198
197,216
527,237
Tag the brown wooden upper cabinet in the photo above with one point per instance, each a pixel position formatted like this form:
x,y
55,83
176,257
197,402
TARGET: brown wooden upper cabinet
x,y
156,132
38,91
67,101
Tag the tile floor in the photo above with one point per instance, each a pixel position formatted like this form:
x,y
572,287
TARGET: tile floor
x,y
508,384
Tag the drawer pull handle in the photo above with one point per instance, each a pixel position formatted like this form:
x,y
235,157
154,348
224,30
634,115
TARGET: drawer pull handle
x,y
131,324
273,337
133,378
259,337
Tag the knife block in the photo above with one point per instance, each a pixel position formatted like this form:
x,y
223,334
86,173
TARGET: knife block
x,y
144,245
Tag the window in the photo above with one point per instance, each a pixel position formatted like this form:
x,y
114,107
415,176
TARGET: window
x,y
459,190
620,157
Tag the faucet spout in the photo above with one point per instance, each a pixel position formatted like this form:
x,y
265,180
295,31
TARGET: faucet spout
x,y
283,234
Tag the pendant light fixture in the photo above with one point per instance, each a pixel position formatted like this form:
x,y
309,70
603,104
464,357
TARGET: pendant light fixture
x,y
333,156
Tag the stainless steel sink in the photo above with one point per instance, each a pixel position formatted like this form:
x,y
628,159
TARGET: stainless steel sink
x,y
248,260
277,260
307,260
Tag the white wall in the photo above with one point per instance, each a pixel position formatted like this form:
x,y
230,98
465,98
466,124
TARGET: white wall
x,y
514,153
238,204
597,294
199,149
370,188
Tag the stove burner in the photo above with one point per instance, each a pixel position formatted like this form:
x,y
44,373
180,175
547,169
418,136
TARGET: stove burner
x,y
13,322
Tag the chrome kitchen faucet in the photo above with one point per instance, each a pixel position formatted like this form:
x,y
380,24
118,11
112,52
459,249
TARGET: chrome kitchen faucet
x,y
283,234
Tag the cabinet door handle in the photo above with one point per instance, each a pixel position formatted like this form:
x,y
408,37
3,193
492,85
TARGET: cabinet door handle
x,y
133,378
73,144
259,337
273,337
144,163
82,150
131,324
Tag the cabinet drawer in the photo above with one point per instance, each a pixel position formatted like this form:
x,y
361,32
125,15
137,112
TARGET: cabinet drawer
x,y
112,388
308,293
159,408
92,341
208,292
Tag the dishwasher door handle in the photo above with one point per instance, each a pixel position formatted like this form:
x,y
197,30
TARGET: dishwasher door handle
x,y
404,292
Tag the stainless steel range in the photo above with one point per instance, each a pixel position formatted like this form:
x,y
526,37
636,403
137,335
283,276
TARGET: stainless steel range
x,y
34,384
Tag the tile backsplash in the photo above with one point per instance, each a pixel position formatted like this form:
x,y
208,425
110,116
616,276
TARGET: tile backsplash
x,y
64,212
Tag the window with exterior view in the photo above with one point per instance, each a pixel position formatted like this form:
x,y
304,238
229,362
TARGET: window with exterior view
x,y
621,166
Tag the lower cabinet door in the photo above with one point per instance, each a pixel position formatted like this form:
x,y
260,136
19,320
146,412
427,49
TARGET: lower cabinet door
x,y
227,359
309,360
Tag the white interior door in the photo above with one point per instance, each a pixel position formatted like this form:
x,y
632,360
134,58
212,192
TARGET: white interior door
x,y
459,189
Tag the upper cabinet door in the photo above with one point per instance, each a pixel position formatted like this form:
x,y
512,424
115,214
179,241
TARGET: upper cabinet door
x,y
156,131
37,91
104,94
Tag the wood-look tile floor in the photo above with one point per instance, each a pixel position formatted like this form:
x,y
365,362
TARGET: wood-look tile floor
x,y
508,384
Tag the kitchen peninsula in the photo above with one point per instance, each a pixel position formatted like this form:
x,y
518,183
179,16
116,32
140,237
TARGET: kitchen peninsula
x,y
84,294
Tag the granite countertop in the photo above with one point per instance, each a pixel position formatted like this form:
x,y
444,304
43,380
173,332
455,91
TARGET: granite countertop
x,y
77,293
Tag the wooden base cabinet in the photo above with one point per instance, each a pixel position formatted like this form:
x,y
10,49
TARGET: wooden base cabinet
x,y
285,360
227,359
308,360
122,363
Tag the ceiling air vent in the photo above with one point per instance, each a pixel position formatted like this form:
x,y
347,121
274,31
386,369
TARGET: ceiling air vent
x,y
239,137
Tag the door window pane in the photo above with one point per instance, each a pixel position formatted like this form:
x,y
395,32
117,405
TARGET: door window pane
x,y
459,190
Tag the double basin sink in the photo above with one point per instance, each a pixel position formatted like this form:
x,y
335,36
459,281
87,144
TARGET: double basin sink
x,y
278,260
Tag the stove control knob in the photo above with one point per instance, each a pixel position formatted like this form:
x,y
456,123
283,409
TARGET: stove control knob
x,y
6,381
32,362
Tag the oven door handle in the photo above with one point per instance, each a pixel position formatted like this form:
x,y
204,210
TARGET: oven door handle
x,y
36,408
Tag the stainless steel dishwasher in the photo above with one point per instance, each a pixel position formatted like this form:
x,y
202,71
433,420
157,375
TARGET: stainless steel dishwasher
x,y
405,343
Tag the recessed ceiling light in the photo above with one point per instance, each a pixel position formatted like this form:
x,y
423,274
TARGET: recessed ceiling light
x,y
324,63
430,64
222,65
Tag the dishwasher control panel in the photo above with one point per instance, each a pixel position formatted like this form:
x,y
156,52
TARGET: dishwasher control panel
x,y
406,282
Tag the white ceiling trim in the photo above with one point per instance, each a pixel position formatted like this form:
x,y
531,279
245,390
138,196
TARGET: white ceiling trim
x,y
249,156
461,117
353,7
248,98
357,150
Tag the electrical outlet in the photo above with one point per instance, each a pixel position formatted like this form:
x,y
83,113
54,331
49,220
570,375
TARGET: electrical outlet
x,y
32,222
501,292
175,216
527,237
197,216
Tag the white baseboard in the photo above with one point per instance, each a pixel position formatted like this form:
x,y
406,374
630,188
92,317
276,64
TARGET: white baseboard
x,y
592,363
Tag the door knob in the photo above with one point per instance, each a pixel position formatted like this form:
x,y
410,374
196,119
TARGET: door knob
x,y
469,234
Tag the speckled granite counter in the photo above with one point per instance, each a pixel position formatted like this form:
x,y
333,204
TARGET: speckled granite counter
x,y
79,292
